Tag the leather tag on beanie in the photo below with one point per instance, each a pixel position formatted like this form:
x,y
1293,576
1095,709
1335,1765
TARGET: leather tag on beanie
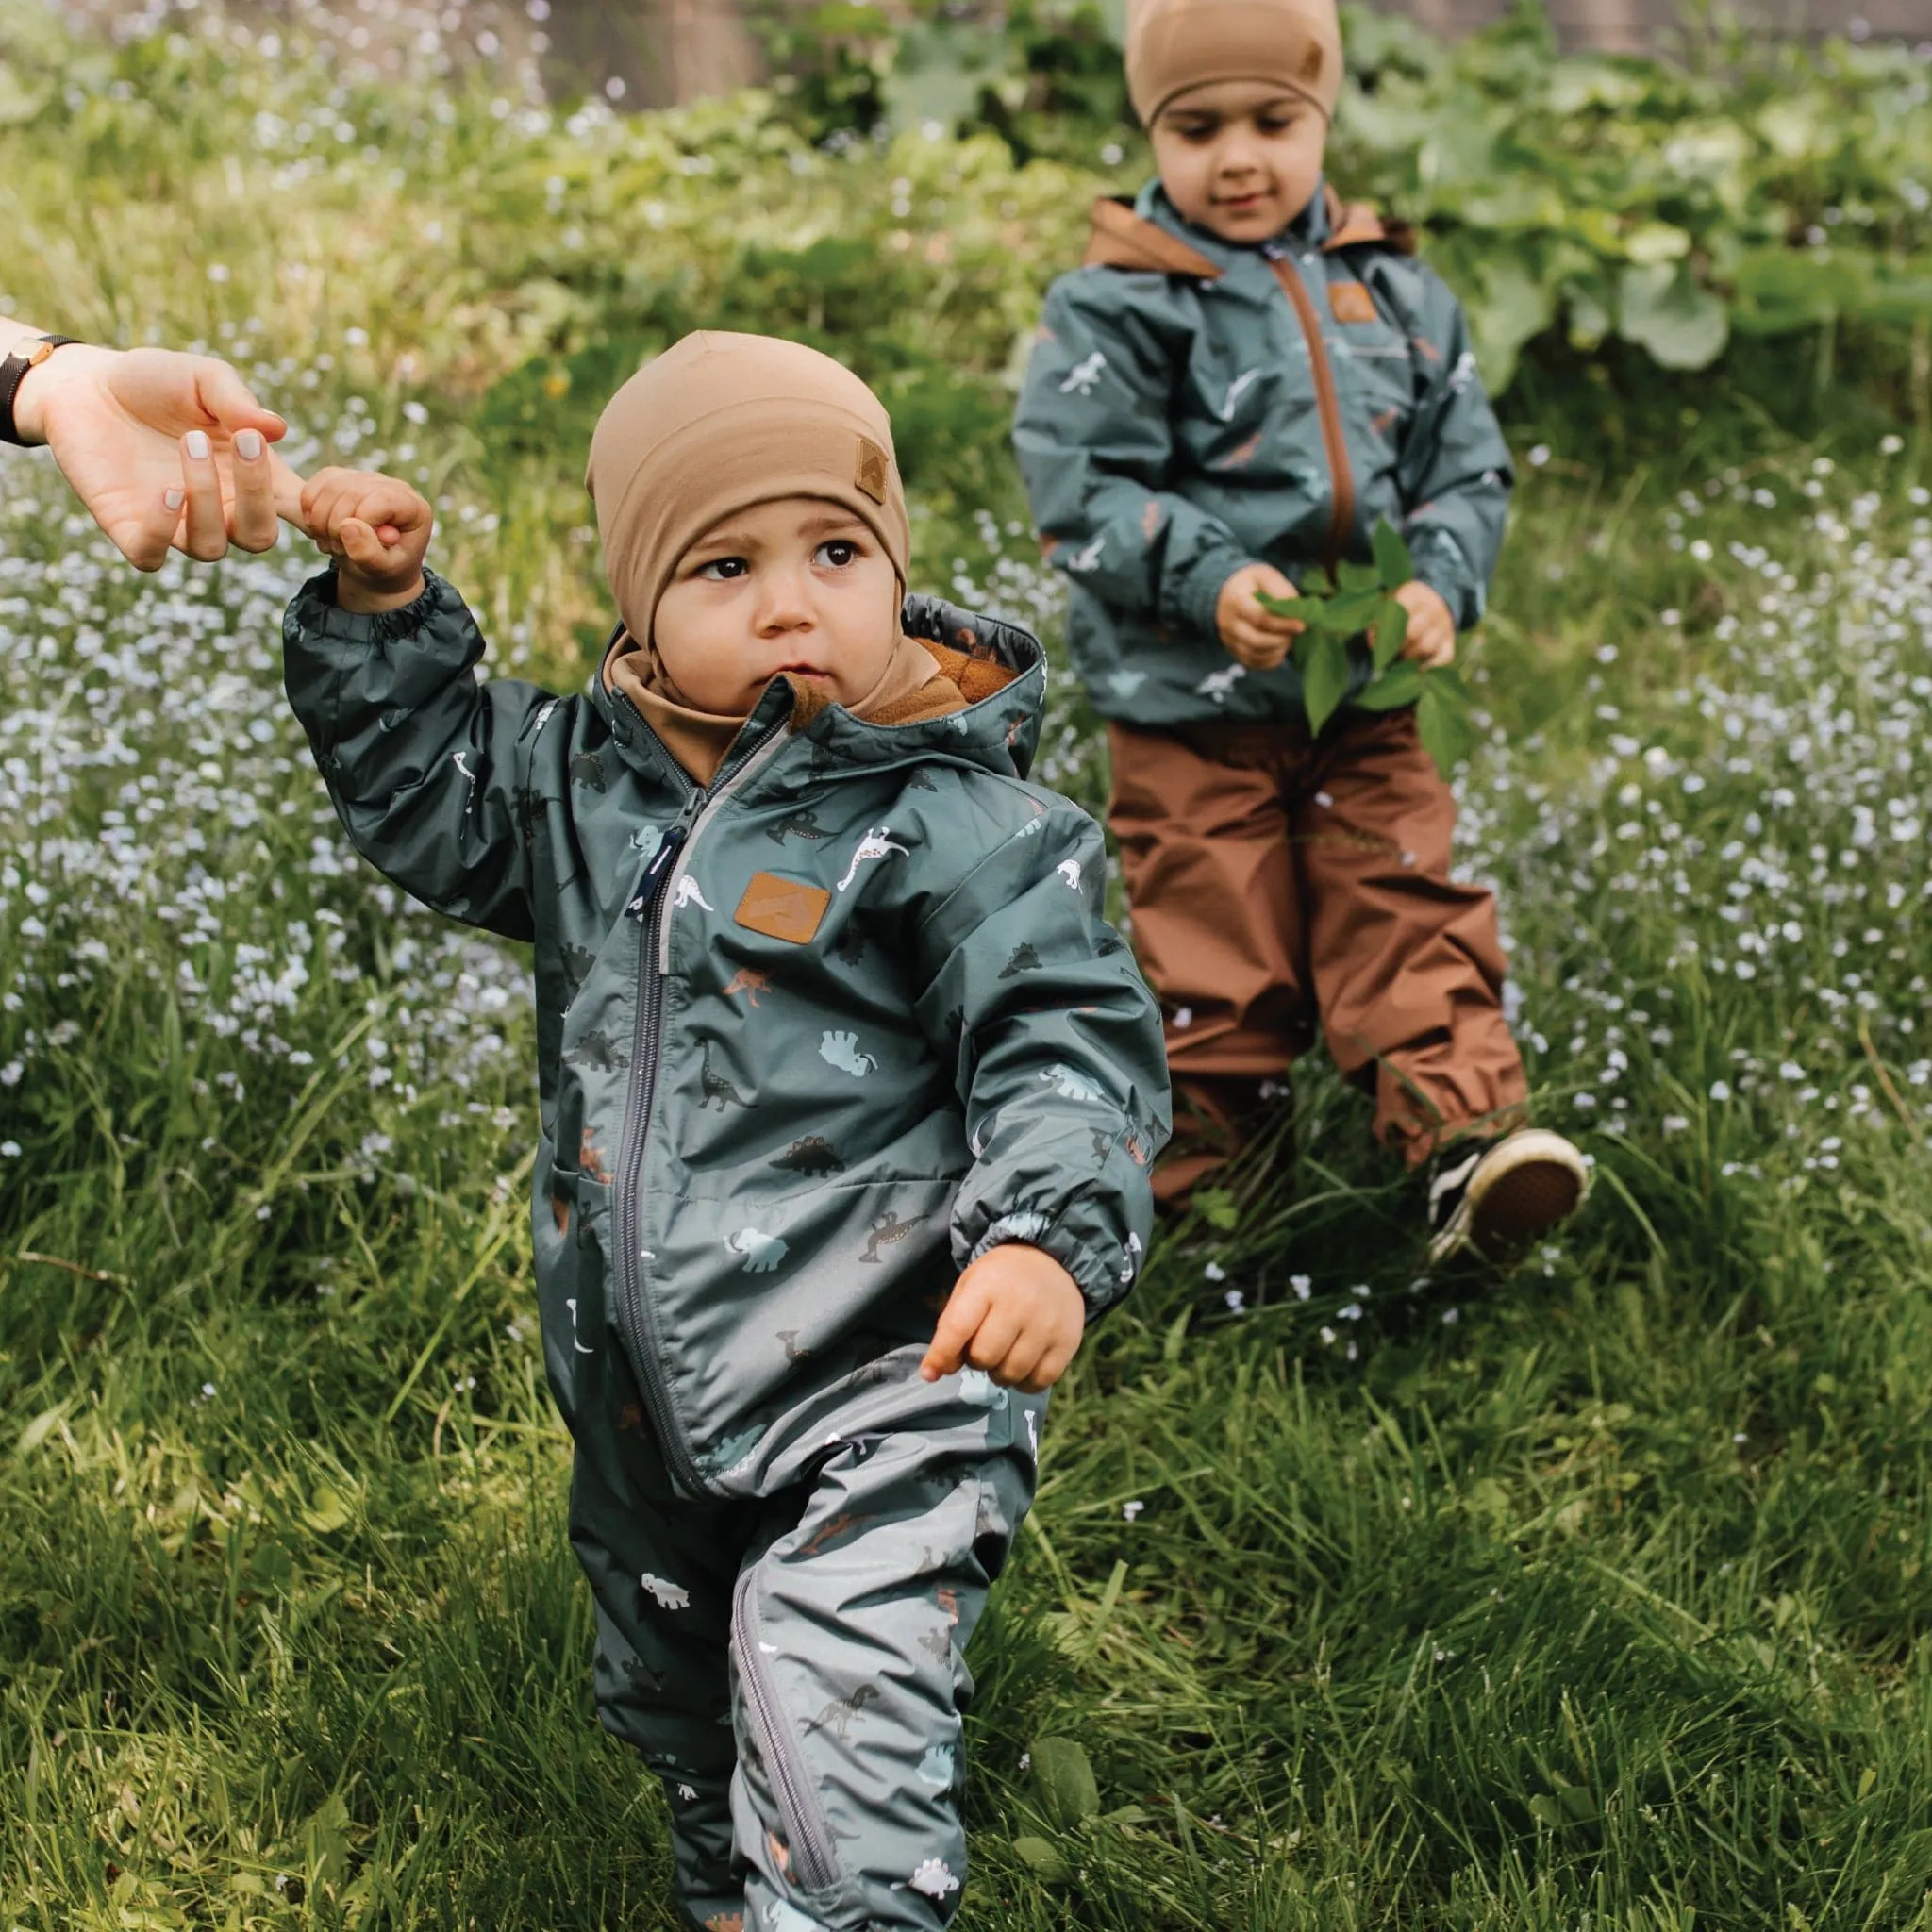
x,y
1351,302
782,908
875,473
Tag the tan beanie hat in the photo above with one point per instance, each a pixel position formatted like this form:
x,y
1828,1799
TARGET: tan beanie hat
x,y
1174,46
719,423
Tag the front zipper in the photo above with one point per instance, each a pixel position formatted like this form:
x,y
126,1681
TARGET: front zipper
x,y
1328,407
648,906
814,1863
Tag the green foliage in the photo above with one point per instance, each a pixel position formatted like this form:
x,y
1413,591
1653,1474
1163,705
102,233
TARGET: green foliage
x,y
1350,650
1752,186
1044,74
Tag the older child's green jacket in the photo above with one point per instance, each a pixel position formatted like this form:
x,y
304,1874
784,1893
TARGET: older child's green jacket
x,y
1193,405
809,1039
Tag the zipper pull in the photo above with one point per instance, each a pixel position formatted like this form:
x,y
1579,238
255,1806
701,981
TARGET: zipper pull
x,y
660,868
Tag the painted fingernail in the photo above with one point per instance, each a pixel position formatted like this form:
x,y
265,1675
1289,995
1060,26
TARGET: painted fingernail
x,y
248,445
173,498
198,446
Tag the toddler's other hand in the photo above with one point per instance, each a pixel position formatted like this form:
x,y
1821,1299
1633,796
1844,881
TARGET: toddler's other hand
x,y
1431,641
1017,1314
1252,636
378,530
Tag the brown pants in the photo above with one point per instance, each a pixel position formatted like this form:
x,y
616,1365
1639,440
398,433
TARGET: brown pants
x,y
1277,884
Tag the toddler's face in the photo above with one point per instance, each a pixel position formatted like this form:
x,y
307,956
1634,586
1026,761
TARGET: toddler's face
x,y
1240,157
799,585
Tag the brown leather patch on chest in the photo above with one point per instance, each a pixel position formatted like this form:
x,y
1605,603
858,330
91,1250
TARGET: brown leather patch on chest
x,y
783,909
1351,302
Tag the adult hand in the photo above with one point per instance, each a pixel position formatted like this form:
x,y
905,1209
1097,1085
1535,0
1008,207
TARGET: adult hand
x,y
1432,640
1016,1314
1252,636
164,449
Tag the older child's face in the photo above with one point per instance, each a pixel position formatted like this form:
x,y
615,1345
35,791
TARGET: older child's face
x,y
1240,158
799,585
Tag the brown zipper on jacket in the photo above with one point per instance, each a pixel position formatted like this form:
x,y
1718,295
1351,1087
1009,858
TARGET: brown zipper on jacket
x,y
1328,405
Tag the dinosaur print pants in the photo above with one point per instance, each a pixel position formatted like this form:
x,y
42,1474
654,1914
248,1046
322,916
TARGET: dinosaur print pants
x,y
791,1659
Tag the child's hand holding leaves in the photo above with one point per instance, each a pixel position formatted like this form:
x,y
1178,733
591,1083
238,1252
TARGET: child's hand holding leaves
x,y
1431,642
1409,634
1257,630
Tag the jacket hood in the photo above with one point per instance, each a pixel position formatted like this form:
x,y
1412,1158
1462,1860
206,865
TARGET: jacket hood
x,y
999,668
1149,233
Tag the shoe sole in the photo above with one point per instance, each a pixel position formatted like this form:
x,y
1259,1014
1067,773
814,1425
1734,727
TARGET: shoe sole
x,y
1529,1184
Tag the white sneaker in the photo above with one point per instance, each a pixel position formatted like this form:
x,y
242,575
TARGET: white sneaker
x,y
1501,1197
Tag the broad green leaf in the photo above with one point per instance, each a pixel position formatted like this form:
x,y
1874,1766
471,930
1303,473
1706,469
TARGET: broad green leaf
x,y
1576,84
1345,616
1401,684
1044,1860
1359,576
939,74
1064,1774
1572,1805
1589,317
1651,242
1776,290
1391,632
1281,607
1447,733
1669,312
1513,299
329,1509
1325,680
1218,1208
1394,566
1801,127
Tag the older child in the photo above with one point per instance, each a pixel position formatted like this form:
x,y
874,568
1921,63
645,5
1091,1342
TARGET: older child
x,y
828,1017
1243,379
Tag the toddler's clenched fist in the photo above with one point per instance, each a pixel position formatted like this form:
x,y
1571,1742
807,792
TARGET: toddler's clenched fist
x,y
378,532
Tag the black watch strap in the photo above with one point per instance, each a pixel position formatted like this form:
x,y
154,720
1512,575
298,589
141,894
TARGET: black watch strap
x,y
14,373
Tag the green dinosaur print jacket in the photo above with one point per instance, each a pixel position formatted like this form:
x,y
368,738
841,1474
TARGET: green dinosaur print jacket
x,y
1193,405
810,1039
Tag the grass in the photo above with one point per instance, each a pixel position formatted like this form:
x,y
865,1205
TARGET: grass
x,y
1593,1601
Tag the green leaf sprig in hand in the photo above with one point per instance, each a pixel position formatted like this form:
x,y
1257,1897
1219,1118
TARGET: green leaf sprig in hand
x,y
1356,615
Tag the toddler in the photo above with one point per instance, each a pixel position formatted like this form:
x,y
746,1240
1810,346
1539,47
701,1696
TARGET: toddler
x,y
1245,378
848,1092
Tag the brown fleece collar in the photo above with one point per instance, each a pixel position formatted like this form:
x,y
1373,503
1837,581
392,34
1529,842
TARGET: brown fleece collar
x,y
1122,239
922,681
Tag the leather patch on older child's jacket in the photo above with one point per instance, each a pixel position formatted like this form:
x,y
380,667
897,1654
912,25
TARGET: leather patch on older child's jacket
x,y
1351,302
783,909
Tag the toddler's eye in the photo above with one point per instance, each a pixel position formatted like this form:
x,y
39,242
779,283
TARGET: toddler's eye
x,y
724,570
838,553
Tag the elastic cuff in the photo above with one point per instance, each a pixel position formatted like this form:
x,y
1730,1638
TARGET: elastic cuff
x,y
323,615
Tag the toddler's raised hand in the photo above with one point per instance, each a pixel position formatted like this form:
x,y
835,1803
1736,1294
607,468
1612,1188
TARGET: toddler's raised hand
x,y
1016,1314
1252,636
378,528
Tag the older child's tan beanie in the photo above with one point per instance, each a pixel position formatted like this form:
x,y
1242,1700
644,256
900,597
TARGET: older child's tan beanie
x,y
720,423
1174,46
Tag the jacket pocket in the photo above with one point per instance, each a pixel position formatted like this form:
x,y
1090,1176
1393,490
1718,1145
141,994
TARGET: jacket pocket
x,y
808,1837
